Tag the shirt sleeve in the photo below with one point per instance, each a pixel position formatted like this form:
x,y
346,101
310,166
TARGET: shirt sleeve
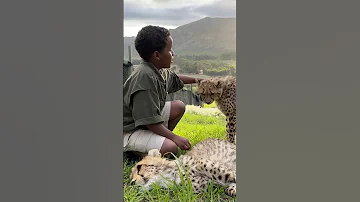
x,y
146,108
174,83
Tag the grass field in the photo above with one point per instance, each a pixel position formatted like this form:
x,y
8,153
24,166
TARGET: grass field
x,y
197,124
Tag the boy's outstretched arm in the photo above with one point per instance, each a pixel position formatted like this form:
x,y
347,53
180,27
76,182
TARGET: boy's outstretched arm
x,y
188,79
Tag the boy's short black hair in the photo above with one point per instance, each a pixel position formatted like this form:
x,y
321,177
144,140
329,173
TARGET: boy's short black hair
x,y
150,39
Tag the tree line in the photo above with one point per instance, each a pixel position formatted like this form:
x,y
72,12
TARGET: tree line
x,y
211,65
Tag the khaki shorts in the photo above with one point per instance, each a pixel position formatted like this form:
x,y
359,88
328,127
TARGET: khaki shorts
x,y
145,140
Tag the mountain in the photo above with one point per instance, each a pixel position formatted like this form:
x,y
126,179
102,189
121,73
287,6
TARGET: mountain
x,y
212,36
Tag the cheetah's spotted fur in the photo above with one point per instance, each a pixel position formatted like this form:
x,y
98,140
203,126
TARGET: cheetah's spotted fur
x,y
209,159
223,92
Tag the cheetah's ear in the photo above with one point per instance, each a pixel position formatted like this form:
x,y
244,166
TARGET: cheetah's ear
x,y
198,81
138,167
154,153
218,83
219,86
135,170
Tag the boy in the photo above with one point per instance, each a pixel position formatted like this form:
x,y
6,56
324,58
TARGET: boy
x,y
148,119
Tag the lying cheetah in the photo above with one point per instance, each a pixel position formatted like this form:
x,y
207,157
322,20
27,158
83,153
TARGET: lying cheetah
x,y
223,92
209,159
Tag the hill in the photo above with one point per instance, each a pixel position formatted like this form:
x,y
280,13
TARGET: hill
x,y
211,36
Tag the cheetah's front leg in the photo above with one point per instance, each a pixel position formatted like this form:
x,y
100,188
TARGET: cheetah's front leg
x,y
231,128
231,190
199,183
220,173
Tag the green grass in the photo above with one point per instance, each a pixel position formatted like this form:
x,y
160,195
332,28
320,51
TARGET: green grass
x,y
212,105
195,127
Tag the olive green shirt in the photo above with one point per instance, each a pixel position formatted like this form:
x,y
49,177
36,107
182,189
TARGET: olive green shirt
x,y
145,94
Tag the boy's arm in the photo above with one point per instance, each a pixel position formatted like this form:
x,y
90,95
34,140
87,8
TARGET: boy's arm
x,y
176,81
188,79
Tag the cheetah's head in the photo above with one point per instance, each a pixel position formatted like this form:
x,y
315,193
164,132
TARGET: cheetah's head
x,y
148,171
209,90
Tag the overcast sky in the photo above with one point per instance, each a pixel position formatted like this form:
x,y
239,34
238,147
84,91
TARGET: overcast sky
x,y
172,13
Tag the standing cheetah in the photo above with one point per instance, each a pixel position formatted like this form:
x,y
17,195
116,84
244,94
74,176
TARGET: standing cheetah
x,y
209,159
223,92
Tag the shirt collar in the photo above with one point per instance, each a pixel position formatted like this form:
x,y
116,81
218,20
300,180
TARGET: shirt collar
x,y
152,66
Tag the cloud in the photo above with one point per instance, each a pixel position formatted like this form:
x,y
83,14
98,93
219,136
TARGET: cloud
x,y
159,14
175,10
224,8
173,13
168,3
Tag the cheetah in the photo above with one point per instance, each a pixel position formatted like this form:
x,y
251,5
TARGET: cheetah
x,y
212,158
223,92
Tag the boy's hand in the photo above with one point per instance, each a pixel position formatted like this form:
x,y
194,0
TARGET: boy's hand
x,y
160,129
181,142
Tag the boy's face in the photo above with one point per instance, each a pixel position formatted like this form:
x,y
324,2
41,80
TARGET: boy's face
x,y
165,58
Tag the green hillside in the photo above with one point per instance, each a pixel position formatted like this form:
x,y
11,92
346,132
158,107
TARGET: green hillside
x,y
208,36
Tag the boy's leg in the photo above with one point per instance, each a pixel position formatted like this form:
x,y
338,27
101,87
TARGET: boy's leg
x,y
177,110
142,141
168,146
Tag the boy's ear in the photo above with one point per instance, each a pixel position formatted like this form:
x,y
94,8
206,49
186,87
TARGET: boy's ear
x,y
156,55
